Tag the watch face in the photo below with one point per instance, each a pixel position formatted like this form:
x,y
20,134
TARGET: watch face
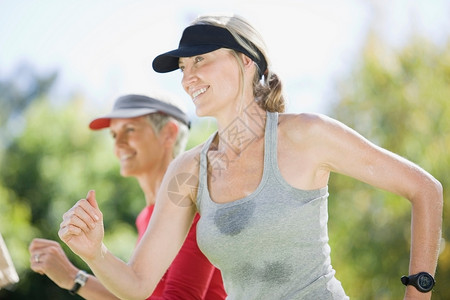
x,y
425,281
81,278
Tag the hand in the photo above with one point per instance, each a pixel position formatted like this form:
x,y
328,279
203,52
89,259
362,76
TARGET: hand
x,y
47,257
82,228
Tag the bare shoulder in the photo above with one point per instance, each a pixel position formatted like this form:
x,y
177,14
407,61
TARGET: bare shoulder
x,y
187,162
181,178
304,120
306,125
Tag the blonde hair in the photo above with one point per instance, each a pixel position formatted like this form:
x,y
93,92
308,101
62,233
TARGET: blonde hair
x,y
268,91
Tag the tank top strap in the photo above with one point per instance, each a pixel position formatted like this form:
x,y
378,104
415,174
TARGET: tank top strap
x,y
270,143
203,167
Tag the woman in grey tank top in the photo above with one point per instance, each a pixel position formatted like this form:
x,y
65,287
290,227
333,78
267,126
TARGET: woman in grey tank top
x,y
259,183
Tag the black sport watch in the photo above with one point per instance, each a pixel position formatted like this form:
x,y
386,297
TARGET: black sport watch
x,y
422,281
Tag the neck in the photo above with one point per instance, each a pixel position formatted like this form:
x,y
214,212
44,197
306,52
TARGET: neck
x,y
241,129
150,181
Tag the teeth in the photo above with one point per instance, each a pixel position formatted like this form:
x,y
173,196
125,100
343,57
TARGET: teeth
x,y
124,157
198,92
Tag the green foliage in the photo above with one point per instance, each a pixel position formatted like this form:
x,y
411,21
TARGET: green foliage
x,y
201,129
399,100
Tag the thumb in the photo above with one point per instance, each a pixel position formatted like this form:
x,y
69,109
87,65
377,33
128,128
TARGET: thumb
x,y
91,199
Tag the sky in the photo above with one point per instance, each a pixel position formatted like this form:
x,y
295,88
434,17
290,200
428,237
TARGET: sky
x,y
104,48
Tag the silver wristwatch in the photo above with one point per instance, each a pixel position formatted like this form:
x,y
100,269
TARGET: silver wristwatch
x,y
80,280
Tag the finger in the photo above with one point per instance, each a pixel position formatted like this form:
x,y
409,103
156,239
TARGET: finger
x,y
37,268
66,232
36,246
32,246
92,200
36,258
90,206
81,211
71,223
38,243
36,263
79,219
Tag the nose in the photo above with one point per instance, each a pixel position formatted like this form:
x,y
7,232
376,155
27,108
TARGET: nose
x,y
120,142
189,77
120,139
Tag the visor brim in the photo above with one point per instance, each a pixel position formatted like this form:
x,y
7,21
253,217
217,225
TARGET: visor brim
x,y
168,61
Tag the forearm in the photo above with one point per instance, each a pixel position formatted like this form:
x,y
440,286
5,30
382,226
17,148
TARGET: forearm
x,y
92,290
119,278
425,239
95,290
426,226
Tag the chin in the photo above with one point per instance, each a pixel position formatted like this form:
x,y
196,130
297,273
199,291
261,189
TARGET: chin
x,y
202,113
125,173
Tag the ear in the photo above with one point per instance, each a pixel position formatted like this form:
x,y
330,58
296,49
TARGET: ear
x,y
248,63
169,133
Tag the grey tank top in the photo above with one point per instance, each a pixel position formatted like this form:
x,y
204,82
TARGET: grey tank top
x,y
272,244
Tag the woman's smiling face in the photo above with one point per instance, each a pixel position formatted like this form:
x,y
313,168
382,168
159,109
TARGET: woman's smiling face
x,y
212,80
136,145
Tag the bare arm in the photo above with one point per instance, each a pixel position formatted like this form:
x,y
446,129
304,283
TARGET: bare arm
x,y
342,150
82,231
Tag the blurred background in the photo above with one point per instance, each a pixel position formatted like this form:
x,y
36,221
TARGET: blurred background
x,y
382,67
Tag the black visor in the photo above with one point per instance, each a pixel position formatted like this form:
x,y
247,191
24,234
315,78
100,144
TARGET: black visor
x,y
201,39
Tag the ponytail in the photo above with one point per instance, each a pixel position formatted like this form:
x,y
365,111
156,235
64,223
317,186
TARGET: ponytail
x,y
269,94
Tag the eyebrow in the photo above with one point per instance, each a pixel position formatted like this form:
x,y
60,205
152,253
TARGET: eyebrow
x,y
125,124
188,57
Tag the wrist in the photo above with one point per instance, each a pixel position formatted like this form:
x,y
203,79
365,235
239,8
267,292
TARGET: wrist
x,y
70,278
413,294
95,257
79,281
420,283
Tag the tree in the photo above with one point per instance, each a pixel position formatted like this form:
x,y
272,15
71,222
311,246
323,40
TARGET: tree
x,y
399,100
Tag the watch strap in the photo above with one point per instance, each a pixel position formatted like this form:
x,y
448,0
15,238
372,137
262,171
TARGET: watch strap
x,y
75,288
405,280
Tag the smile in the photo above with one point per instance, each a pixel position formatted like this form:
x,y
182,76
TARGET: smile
x,y
125,157
198,92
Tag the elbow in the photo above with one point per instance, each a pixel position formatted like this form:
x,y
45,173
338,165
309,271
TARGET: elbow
x,y
429,196
137,292
146,294
145,289
439,191
139,296
142,292
434,195
436,207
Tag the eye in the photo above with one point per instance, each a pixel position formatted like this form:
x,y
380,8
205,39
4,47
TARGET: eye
x,y
198,59
181,69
